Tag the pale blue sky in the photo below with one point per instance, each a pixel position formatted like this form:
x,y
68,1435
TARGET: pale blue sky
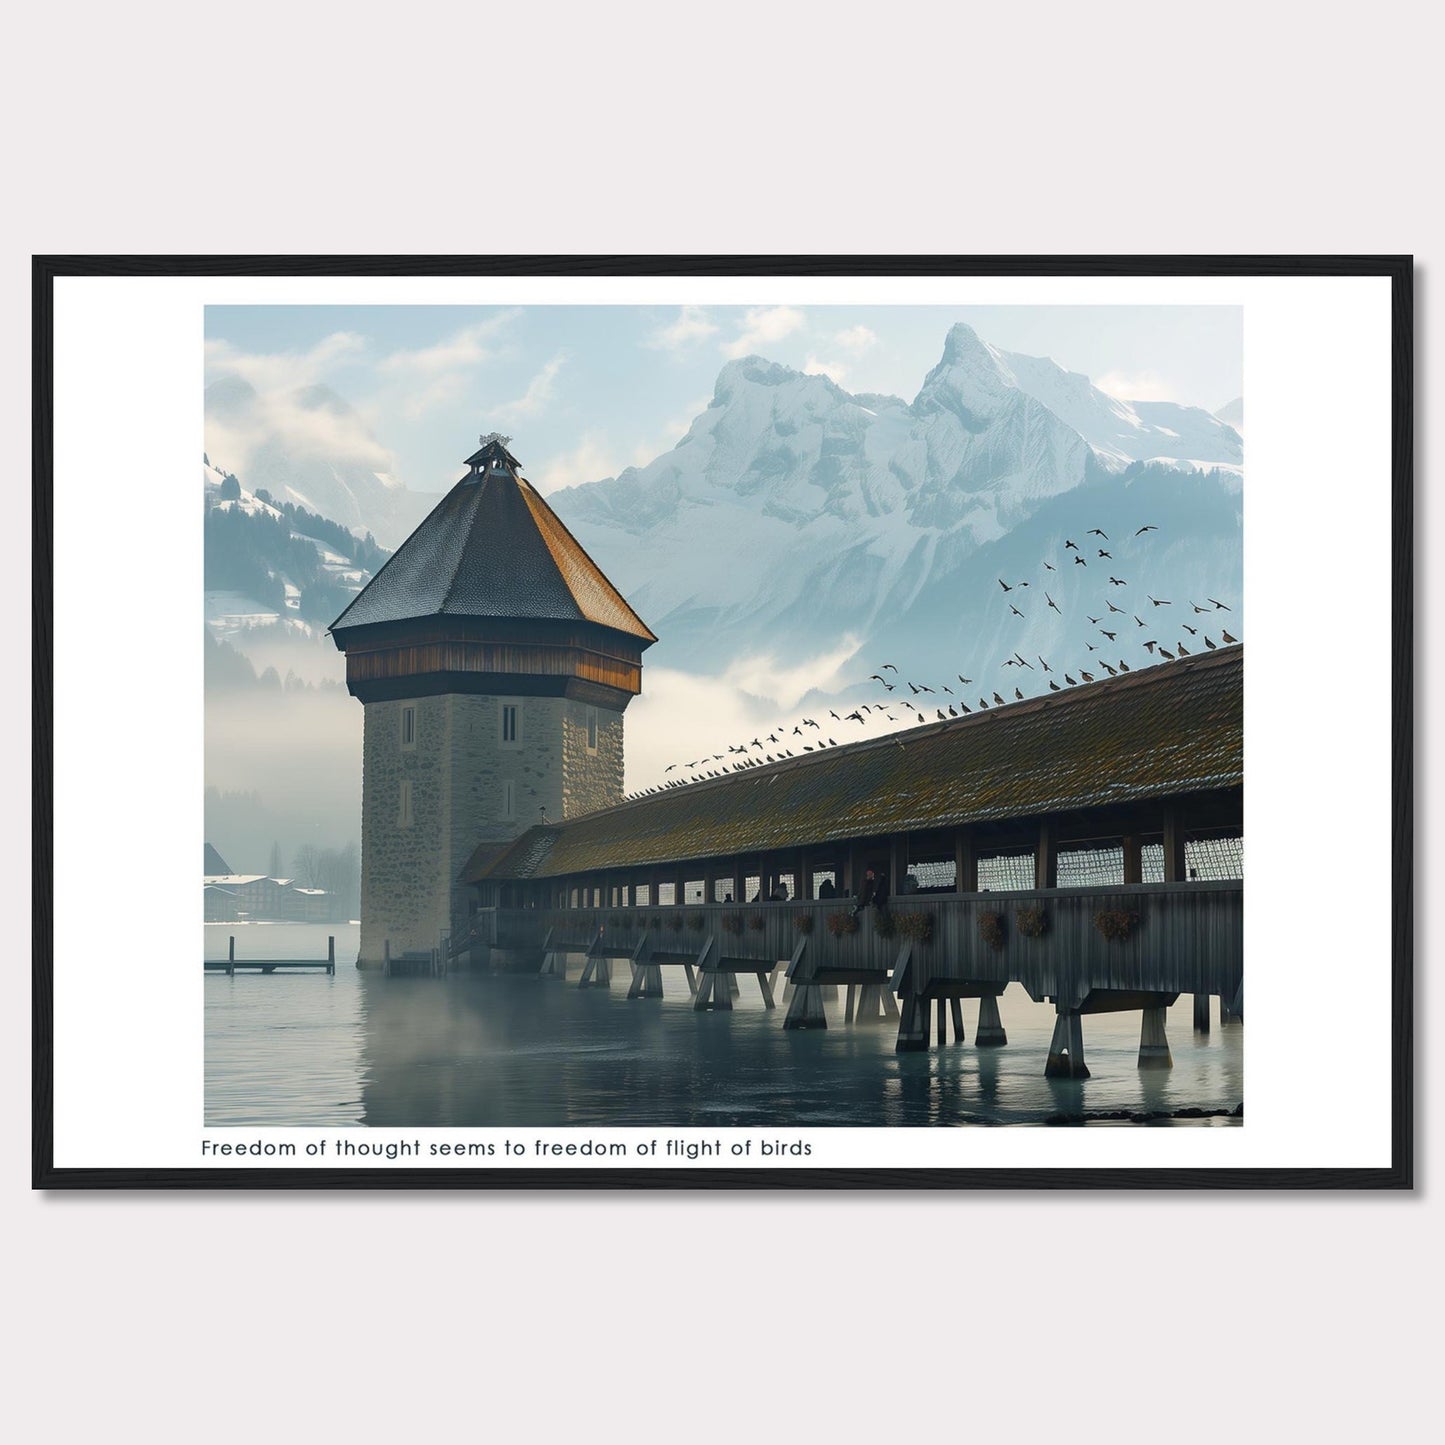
x,y
587,390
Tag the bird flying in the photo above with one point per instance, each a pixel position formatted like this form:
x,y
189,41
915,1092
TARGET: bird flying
x,y
1142,530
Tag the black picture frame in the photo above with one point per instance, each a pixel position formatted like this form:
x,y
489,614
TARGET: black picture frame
x,y
1399,1174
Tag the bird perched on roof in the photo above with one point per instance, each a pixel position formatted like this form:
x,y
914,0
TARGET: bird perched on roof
x,y
998,699
1070,680
1018,694
1123,666
951,712
1164,652
1142,530
1228,638
1209,644
1087,676
1112,671
982,703
1181,649
965,708
1054,687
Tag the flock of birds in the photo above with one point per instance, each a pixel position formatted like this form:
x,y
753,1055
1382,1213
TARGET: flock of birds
x,y
776,744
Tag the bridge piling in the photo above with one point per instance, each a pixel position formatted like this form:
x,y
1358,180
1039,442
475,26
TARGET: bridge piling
x,y
990,1033
1201,1013
957,1006
1066,1049
1153,1042
912,1025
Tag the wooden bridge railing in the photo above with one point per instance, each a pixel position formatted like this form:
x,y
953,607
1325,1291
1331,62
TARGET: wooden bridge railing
x,y
1056,942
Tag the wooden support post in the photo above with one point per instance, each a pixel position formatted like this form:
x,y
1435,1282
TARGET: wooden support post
x,y
1066,1050
767,991
957,1005
1153,1042
965,862
1236,1006
231,957
848,1011
990,1032
806,1009
1133,859
942,1022
913,1026
1046,856
331,953
1173,846
386,958
1201,1013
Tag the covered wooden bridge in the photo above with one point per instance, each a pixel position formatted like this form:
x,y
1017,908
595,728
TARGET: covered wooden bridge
x,y
1087,845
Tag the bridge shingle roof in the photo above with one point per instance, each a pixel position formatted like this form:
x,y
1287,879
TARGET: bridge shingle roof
x,y
1157,732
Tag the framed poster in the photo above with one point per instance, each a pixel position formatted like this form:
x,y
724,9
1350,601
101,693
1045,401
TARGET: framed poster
x,y
722,721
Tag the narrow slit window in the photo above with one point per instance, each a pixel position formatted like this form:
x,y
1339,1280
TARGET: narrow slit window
x,y
509,798
404,816
408,727
591,729
511,725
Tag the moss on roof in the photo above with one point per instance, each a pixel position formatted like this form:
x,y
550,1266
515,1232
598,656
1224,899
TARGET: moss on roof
x,y
1157,732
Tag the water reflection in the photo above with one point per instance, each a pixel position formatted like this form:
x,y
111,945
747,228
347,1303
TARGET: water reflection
x,y
501,1051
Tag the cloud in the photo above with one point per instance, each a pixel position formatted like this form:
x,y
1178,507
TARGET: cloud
x,y
537,397
692,325
1135,386
855,340
285,410
707,715
463,348
592,459
762,326
597,456
282,370
835,371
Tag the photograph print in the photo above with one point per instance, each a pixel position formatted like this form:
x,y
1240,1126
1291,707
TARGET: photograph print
x,y
707,717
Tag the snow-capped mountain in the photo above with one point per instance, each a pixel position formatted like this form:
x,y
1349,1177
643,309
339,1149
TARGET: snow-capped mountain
x,y
1232,413
310,447
793,514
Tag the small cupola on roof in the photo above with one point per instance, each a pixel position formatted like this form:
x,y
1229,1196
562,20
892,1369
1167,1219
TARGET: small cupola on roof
x,y
492,593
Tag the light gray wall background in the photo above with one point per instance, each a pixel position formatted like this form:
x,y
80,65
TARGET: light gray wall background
x,y
1122,128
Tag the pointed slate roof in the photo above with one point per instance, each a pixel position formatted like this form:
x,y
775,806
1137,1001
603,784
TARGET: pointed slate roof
x,y
492,548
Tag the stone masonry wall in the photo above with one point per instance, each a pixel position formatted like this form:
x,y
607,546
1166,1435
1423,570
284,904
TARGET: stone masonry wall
x,y
457,769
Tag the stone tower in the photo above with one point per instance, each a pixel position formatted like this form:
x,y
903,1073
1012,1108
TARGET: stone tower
x,y
494,662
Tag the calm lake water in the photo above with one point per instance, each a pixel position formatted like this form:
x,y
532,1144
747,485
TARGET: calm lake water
x,y
308,1049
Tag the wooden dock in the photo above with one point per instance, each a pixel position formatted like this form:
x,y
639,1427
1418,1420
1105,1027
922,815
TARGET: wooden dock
x,y
231,964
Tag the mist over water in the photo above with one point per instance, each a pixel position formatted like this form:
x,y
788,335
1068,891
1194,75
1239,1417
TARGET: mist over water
x,y
309,1049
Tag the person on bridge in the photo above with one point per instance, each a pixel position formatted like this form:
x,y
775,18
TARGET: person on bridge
x,y
874,891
